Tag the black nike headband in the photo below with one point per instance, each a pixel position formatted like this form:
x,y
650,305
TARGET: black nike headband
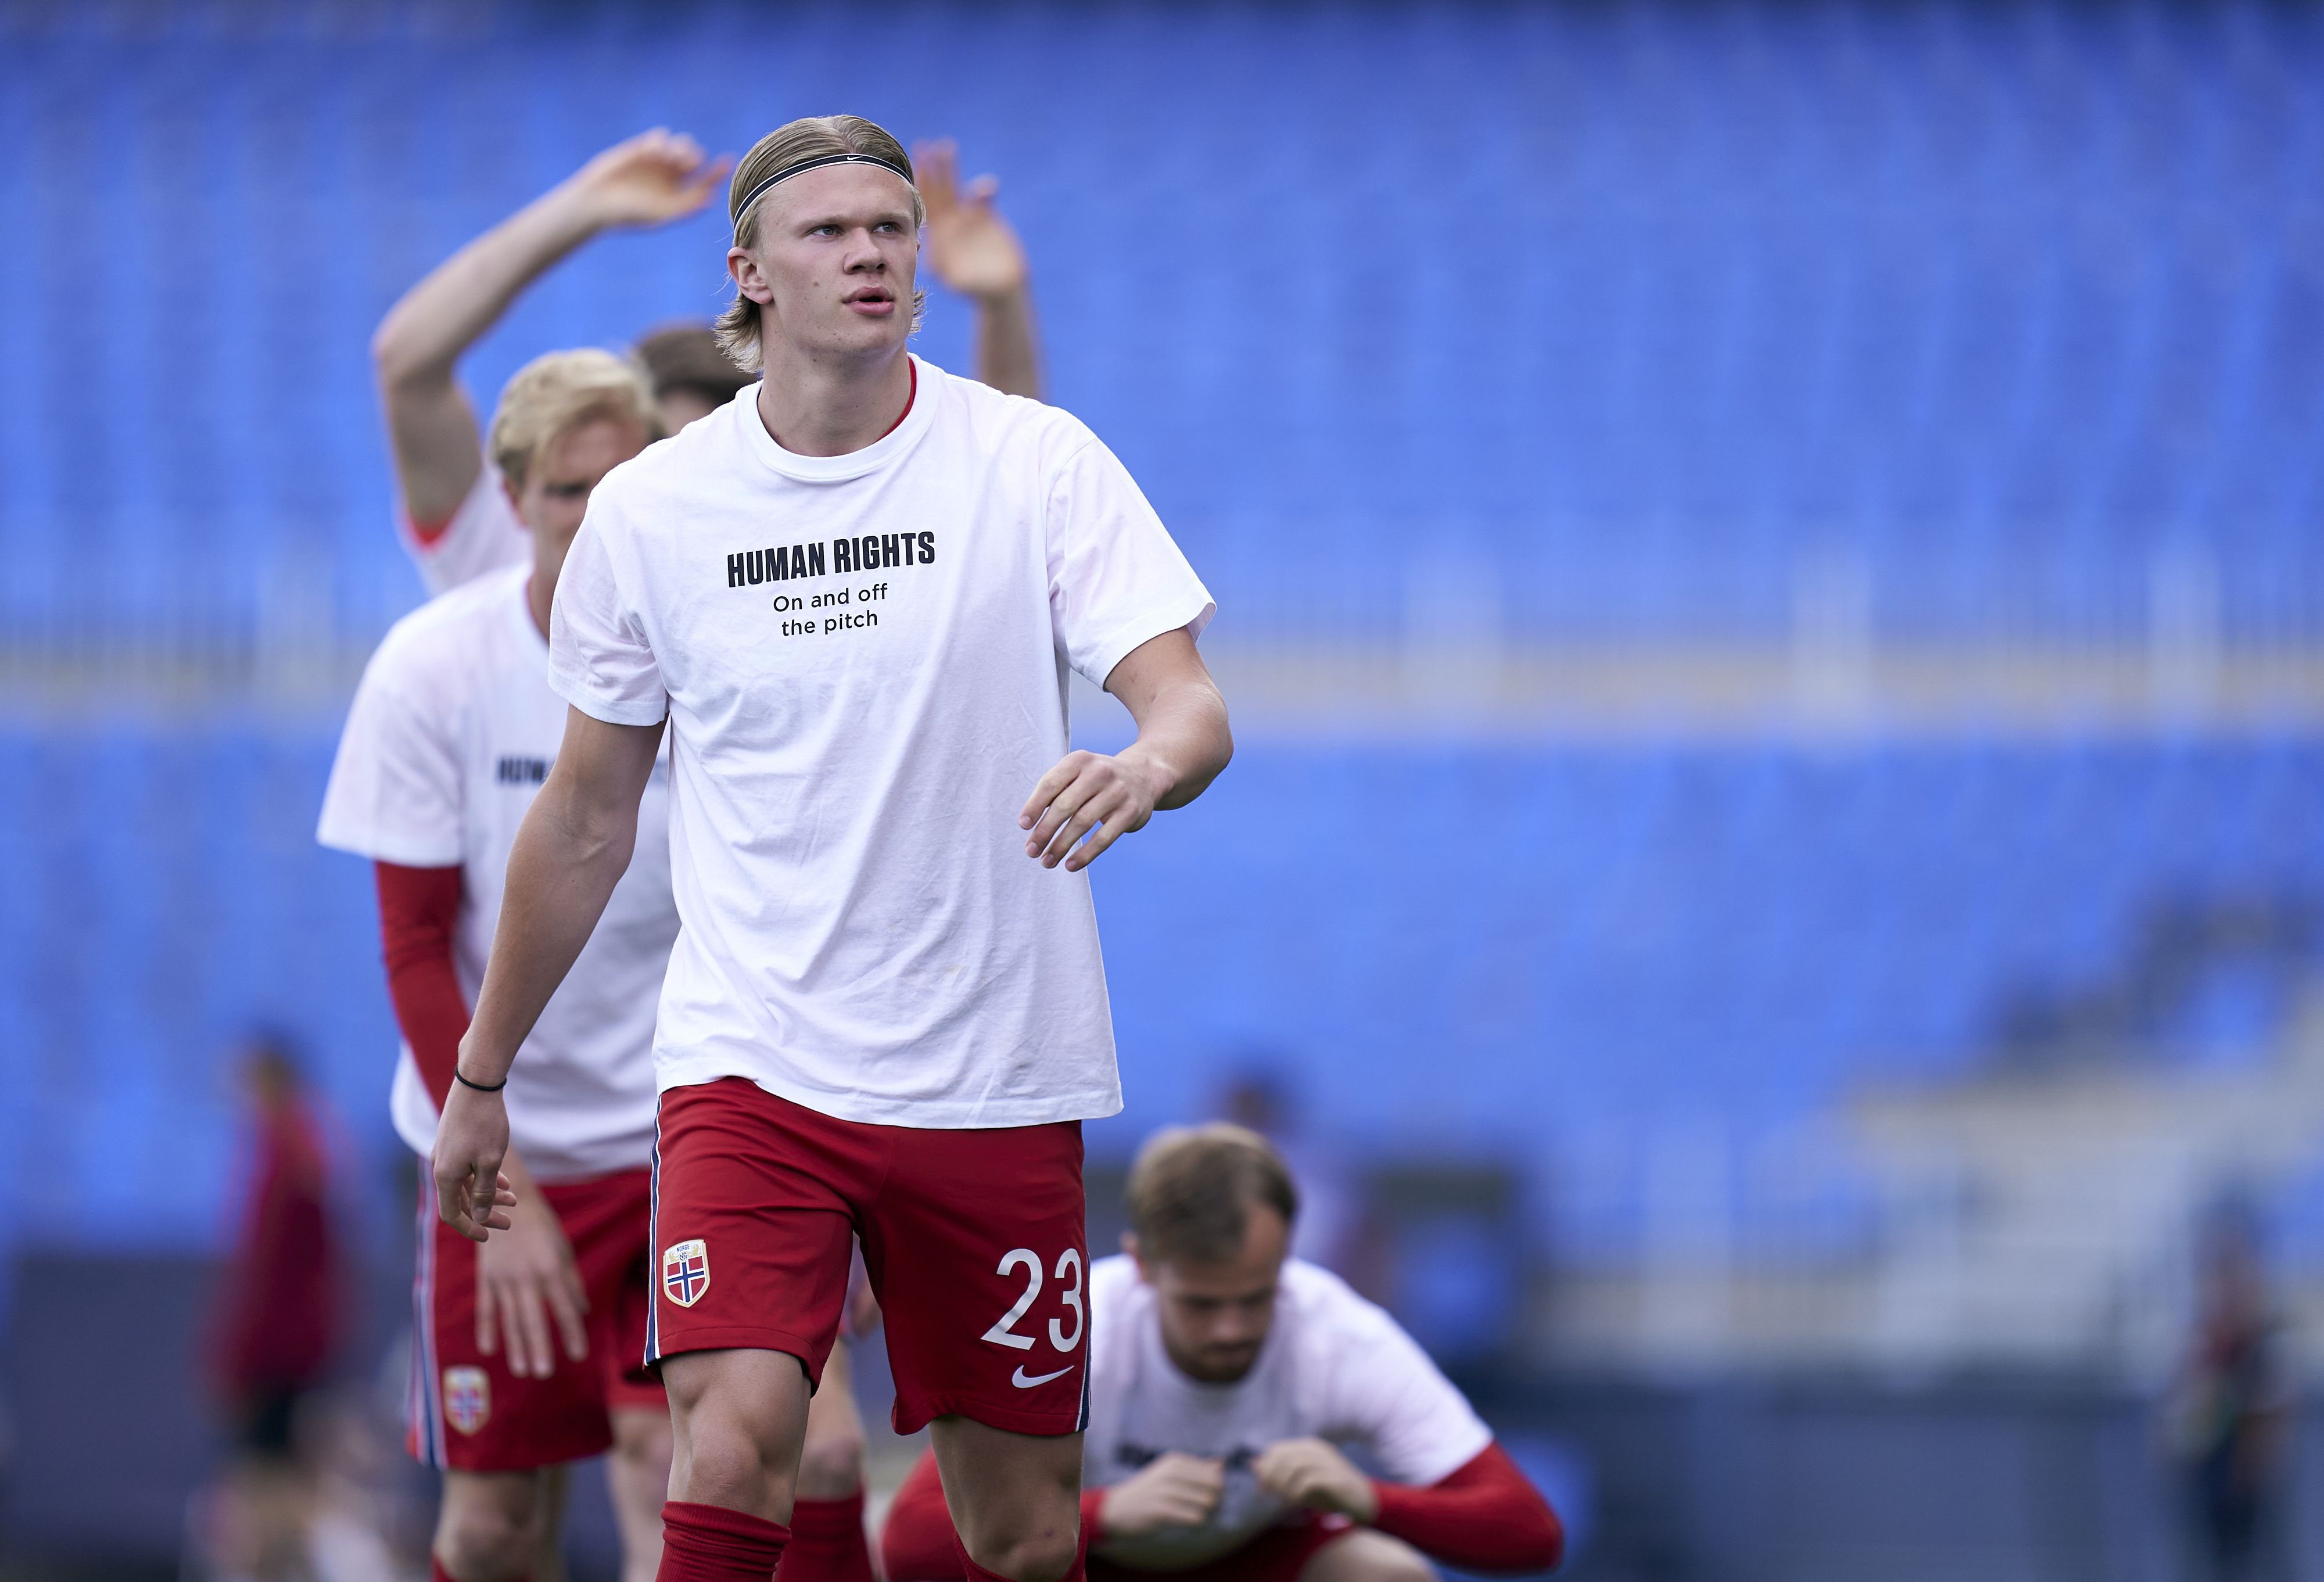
x,y
787,171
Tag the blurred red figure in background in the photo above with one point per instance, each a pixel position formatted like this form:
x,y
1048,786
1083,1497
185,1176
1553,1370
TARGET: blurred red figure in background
x,y
281,1317
283,1310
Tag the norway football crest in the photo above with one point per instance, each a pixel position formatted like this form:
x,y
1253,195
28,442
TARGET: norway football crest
x,y
467,1398
686,1272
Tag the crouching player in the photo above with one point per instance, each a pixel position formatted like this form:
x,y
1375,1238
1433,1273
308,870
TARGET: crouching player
x,y
1221,1374
528,1350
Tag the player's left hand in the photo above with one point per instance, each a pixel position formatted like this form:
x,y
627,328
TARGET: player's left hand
x,y
971,247
472,1139
1088,791
1311,1473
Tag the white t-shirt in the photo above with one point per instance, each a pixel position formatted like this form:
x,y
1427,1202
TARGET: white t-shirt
x,y
451,734
864,659
484,535
1333,1367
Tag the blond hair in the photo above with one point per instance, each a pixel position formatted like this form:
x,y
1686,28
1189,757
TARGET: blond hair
x,y
808,137
1192,1190
558,392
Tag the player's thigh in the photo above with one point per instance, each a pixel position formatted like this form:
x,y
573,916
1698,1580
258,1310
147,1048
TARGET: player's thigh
x,y
976,1249
1363,1555
1008,1491
752,1227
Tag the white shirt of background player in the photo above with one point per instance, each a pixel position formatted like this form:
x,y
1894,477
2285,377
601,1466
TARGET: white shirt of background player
x,y
1331,1369
450,735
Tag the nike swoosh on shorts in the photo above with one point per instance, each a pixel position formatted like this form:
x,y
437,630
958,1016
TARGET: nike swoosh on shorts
x,y
1022,1383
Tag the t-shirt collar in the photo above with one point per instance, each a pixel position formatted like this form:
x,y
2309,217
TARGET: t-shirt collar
x,y
520,606
855,464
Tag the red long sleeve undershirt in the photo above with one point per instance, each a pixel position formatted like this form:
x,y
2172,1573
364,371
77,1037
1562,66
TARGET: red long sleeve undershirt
x,y
418,908
1485,1516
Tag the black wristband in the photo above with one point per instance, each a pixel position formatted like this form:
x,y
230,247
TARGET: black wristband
x,y
479,1087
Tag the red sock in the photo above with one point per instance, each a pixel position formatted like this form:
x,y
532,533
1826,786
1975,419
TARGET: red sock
x,y
710,1543
828,1543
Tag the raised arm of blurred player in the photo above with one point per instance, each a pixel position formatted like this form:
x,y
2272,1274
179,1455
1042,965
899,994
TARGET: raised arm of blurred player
x,y
571,850
976,252
651,180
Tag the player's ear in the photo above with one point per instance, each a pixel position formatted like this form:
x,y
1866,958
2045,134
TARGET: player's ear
x,y
1130,1246
748,279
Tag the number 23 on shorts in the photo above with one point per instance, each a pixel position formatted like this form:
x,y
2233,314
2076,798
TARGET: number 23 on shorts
x,y
1004,1328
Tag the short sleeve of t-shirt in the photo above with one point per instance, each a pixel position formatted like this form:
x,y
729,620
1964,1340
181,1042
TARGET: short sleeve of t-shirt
x,y
394,791
1116,579
1391,1397
598,657
481,536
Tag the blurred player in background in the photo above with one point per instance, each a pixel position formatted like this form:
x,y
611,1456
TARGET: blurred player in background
x,y
281,1318
1221,1371
529,1352
459,520
2230,1415
851,602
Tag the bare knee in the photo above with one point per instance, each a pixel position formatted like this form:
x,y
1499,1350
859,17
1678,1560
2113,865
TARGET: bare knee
x,y
831,1464
1043,1553
1025,1539
728,1462
739,1417
641,1442
1364,1556
490,1526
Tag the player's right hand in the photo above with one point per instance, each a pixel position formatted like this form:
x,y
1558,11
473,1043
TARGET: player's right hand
x,y
472,1139
524,1275
652,179
1172,1490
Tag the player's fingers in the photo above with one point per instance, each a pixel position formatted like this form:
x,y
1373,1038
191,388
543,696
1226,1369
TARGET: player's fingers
x,y
532,1318
519,1359
566,1303
488,1332
1061,811
1103,807
984,190
449,1205
1069,834
1060,776
1114,826
937,164
455,1207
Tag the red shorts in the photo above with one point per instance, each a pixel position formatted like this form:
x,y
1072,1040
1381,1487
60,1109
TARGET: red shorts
x,y
973,1240
918,1546
467,1411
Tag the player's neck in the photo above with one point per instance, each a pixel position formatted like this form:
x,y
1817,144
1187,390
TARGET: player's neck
x,y
821,407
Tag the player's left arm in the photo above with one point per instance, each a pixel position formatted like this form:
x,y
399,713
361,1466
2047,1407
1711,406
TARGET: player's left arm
x,y
1183,742
1485,1515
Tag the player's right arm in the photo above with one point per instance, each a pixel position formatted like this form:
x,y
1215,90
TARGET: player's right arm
x,y
654,178
571,850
